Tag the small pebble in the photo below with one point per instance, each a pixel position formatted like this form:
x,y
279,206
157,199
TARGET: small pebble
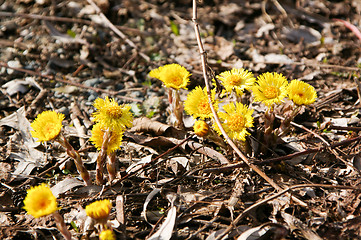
x,y
91,82
64,110
15,64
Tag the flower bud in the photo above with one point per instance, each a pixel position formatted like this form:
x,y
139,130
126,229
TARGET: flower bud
x,y
201,128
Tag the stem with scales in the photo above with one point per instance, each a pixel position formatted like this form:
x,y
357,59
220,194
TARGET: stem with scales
x,y
77,159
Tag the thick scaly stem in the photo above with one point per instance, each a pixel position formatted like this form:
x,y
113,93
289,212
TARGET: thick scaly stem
x,y
176,107
77,159
102,157
111,166
60,224
269,139
286,123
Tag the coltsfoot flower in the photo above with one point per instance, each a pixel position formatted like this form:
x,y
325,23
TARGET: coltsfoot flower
x,y
235,120
107,235
172,75
238,79
99,210
197,103
200,128
301,93
115,140
270,88
111,115
47,126
40,201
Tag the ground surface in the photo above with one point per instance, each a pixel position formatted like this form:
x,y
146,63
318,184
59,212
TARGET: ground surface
x,y
64,63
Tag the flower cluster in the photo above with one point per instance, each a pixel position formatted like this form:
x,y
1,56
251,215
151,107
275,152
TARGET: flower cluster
x,y
272,88
112,117
269,88
111,120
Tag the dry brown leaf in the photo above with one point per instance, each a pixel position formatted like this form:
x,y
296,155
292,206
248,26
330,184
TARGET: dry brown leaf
x,y
146,125
296,224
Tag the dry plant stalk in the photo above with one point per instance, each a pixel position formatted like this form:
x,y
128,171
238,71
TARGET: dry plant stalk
x,y
111,166
77,159
59,220
102,157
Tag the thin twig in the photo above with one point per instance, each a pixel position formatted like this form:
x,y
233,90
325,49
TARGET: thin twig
x,y
116,30
307,130
308,63
72,83
283,158
209,223
245,212
151,162
356,129
69,20
216,118
57,164
308,151
46,18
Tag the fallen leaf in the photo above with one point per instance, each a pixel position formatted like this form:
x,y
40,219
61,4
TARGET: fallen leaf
x,y
147,201
253,233
166,229
138,165
296,224
65,185
27,154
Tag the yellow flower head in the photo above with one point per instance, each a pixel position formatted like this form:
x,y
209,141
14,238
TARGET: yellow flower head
x,y
197,103
40,201
201,128
99,210
238,79
172,75
301,93
97,138
270,88
111,115
47,125
235,120
107,235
